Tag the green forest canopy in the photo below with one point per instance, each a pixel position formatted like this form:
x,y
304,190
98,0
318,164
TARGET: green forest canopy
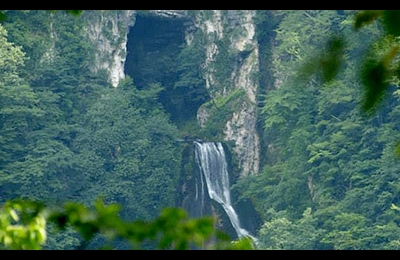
x,y
330,181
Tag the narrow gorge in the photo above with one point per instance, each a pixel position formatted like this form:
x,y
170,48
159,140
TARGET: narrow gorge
x,y
207,62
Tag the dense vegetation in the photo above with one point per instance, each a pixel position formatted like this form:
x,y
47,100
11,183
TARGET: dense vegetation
x,y
330,178
67,134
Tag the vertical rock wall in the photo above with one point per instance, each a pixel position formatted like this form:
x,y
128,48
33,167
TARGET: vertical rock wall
x,y
230,32
238,29
108,30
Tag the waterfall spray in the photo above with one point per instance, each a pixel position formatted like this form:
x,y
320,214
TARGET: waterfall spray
x,y
210,157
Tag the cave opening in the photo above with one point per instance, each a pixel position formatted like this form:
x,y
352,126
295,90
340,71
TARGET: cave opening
x,y
157,53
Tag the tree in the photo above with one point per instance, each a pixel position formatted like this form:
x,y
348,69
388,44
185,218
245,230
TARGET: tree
x,y
23,226
380,67
130,149
3,13
322,152
331,149
279,233
19,111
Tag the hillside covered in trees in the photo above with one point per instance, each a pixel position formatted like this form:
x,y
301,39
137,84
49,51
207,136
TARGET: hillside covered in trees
x,y
329,173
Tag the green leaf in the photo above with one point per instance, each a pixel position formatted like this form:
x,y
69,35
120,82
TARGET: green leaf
x,y
3,16
74,12
374,77
398,149
374,81
391,21
366,17
327,61
332,58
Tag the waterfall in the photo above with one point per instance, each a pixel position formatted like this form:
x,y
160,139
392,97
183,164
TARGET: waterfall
x,y
210,157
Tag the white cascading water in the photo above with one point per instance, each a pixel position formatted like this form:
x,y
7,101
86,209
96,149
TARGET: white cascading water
x,y
210,157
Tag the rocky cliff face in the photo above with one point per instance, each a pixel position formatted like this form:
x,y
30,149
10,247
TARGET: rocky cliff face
x,y
108,30
237,30
231,64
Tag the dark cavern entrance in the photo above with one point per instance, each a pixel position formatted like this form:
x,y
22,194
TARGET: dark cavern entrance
x,y
158,54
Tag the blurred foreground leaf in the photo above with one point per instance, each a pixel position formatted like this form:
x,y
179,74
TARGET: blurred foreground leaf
x,y
23,226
